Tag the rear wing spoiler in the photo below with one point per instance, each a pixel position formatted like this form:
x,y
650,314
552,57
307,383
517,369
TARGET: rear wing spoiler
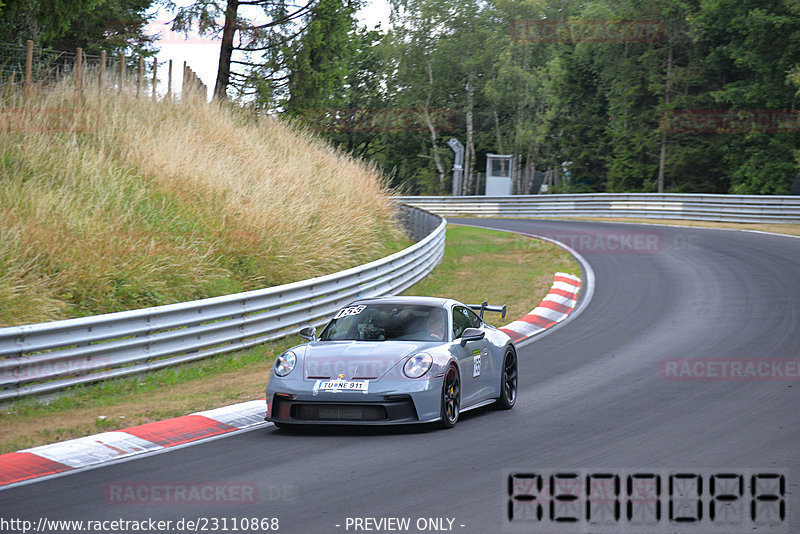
x,y
485,306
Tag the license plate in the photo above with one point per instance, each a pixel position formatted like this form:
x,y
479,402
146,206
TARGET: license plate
x,y
341,385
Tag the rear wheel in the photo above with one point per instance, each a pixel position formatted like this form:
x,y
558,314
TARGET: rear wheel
x,y
508,382
451,397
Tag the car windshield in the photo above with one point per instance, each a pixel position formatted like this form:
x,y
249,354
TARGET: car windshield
x,y
386,322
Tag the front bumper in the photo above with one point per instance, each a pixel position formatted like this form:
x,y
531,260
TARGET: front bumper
x,y
388,402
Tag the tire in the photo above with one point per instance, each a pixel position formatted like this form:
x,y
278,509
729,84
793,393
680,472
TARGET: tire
x,y
451,398
285,427
509,379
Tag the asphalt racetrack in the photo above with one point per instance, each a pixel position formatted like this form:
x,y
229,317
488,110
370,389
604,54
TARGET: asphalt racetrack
x,y
616,390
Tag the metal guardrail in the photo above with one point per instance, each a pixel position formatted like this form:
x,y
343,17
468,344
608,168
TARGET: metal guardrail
x,y
46,357
722,208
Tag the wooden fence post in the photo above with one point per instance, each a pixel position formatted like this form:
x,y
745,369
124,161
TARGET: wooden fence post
x,y
139,77
155,80
102,71
28,68
121,71
169,80
78,73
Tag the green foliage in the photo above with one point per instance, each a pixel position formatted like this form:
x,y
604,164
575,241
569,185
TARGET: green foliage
x,y
94,25
598,104
320,63
749,50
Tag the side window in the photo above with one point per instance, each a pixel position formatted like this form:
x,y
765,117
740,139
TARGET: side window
x,y
461,320
474,319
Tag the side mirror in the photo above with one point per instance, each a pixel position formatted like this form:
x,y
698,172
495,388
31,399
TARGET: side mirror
x,y
309,333
471,334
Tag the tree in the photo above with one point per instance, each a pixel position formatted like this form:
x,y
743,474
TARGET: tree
x,y
750,48
421,82
598,104
521,91
320,62
270,40
94,25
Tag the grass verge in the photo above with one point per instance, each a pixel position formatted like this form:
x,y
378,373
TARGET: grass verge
x,y
499,267
478,265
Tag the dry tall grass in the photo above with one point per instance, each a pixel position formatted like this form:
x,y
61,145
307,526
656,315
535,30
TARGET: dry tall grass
x,y
163,202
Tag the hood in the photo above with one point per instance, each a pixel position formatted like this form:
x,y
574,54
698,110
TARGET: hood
x,y
358,360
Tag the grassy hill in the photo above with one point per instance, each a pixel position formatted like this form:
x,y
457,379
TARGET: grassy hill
x,y
121,203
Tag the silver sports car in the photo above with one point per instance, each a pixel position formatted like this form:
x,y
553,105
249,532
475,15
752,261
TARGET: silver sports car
x,y
395,360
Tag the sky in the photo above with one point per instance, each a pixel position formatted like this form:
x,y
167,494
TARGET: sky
x,y
202,53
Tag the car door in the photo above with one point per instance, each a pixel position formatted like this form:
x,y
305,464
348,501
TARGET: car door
x,y
488,379
472,357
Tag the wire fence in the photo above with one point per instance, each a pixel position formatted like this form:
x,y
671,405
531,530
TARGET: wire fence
x,y
28,70
47,66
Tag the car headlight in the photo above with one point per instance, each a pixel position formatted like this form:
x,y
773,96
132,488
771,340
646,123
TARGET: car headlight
x,y
417,365
285,363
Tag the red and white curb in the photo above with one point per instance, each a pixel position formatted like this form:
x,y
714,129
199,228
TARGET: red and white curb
x,y
93,450
554,308
29,464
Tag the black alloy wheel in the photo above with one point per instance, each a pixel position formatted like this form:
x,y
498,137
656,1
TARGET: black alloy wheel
x,y
451,398
508,382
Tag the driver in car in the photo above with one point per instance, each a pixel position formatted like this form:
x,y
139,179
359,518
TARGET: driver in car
x,y
434,326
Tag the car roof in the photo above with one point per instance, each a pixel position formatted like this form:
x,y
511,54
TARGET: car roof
x,y
409,301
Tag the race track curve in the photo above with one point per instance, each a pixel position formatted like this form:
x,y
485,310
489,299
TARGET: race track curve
x,y
593,396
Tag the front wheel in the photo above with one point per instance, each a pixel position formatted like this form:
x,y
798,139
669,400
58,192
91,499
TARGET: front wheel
x,y
508,382
451,398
